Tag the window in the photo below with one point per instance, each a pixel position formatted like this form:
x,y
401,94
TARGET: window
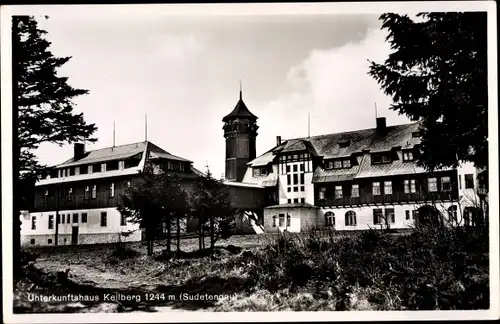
x,y
407,186
381,158
282,220
63,218
432,184
322,193
289,179
295,168
32,241
289,189
329,219
75,218
49,241
407,214
256,172
407,156
329,165
68,218
445,184
376,188
288,220
413,187
355,191
287,169
289,201
112,165
302,167
338,192
337,164
295,179
84,217
295,189
295,200
33,222
390,216
123,220
69,194
377,216
301,178
388,188
104,219
274,220
386,159
263,171
460,181
86,194
51,221
94,191
469,181
452,214
303,200
350,218
346,163
302,188
84,169
112,189
414,214
103,167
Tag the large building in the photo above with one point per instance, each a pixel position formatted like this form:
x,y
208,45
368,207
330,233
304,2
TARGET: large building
x,y
350,181
85,191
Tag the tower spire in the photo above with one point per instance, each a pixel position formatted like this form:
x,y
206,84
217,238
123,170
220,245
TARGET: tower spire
x,y
241,92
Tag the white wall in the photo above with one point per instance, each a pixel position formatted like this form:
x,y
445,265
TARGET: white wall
x,y
93,225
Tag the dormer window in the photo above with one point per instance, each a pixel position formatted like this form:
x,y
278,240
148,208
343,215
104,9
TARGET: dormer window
x,y
346,163
381,158
416,134
337,164
262,171
256,172
407,156
344,144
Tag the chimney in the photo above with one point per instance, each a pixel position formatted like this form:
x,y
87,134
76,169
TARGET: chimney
x,y
381,124
79,151
278,140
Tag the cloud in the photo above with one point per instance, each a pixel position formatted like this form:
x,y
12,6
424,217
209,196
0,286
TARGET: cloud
x,y
332,85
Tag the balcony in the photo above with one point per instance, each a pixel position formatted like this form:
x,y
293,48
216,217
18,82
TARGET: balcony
x,y
395,198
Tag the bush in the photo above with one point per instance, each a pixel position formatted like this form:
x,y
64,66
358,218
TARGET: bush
x,y
426,269
122,253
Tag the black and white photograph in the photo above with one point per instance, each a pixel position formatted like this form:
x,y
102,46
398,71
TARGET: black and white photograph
x,y
293,161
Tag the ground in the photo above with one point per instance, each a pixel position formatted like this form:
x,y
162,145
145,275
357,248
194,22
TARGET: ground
x,y
94,270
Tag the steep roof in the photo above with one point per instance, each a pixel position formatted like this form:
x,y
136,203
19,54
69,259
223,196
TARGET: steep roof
x,y
329,146
240,110
120,152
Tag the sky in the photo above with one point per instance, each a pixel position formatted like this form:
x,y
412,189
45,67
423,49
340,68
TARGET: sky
x,y
185,72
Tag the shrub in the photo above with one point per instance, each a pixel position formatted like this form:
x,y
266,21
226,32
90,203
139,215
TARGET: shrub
x,y
428,268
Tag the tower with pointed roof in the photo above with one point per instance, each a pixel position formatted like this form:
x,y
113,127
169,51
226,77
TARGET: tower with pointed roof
x,y
240,131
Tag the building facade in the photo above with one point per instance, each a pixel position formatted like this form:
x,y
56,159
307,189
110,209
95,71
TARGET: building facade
x,y
359,180
77,203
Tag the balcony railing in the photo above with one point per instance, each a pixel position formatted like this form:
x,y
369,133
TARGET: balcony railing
x,y
395,198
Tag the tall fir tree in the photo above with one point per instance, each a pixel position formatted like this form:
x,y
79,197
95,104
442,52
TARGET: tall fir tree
x,y
437,73
42,110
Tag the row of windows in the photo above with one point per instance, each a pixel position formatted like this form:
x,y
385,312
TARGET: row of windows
x,y
90,192
261,171
296,200
338,164
410,186
74,218
294,157
301,167
379,217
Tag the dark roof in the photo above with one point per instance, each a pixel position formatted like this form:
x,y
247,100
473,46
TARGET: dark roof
x,y
293,205
240,110
120,152
370,139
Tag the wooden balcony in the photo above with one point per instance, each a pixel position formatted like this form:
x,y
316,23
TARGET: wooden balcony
x,y
395,198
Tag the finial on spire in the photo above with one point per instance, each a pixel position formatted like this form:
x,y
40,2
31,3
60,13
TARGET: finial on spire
x,y
241,95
